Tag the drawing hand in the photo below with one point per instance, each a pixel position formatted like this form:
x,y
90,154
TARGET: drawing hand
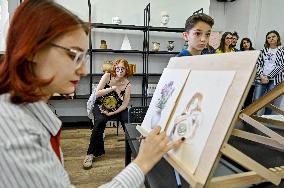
x,y
153,148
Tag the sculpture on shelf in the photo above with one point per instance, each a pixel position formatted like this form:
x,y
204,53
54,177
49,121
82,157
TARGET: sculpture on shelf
x,y
107,66
125,44
115,20
156,46
165,18
103,44
171,45
132,68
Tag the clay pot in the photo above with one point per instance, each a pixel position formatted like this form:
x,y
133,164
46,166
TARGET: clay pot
x,y
107,66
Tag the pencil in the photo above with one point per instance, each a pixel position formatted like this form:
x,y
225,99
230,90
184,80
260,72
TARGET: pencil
x,y
135,138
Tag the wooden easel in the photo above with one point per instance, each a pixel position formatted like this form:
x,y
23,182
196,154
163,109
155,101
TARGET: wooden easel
x,y
259,173
217,143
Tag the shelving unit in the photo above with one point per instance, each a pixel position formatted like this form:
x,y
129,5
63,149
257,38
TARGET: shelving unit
x,y
147,51
140,55
146,29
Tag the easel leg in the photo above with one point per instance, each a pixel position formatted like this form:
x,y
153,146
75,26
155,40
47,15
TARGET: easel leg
x,y
250,164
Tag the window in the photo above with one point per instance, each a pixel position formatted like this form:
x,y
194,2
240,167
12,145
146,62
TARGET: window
x,y
4,23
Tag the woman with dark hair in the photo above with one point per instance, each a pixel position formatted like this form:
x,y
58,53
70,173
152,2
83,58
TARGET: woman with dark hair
x,y
112,98
246,44
46,54
269,66
225,43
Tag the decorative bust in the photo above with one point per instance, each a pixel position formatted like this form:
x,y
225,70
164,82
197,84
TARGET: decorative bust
x,y
165,18
116,20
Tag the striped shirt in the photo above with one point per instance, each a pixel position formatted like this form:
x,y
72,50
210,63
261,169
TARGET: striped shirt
x,y
277,73
26,155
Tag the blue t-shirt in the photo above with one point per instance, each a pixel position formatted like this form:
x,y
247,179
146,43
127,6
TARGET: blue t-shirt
x,y
185,52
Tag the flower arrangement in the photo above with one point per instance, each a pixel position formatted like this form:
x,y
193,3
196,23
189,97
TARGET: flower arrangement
x,y
166,93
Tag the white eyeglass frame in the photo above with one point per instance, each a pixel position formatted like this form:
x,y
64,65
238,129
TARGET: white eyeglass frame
x,y
77,62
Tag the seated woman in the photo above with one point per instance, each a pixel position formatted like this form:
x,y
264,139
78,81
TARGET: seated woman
x,y
225,44
112,98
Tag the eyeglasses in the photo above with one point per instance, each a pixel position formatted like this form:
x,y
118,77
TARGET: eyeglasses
x,y
78,57
120,69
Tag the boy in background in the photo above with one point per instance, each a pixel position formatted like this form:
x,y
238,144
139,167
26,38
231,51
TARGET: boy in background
x,y
197,32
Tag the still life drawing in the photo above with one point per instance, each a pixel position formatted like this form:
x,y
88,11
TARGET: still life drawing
x,y
164,98
195,114
165,94
189,120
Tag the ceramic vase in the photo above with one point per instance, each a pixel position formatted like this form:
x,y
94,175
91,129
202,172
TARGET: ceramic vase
x,y
170,45
107,66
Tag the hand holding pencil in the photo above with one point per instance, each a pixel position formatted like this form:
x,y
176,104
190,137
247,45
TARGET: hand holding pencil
x,y
153,147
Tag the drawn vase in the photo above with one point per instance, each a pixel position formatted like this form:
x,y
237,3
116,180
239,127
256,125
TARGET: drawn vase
x,y
156,118
170,45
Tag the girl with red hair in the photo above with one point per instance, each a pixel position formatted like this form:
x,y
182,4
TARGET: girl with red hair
x,y
46,54
112,98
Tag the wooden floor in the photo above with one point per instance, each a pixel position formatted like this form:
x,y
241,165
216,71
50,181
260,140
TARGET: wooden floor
x,y
74,143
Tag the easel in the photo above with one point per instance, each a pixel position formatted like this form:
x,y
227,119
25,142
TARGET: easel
x,y
259,173
243,63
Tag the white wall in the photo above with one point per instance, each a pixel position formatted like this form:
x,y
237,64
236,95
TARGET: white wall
x,y
131,11
4,23
270,15
250,18
217,11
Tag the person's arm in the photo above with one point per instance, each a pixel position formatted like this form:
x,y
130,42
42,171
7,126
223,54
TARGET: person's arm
x,y
151,151
260,64
279,61
100,91
27,158
124,103
130,177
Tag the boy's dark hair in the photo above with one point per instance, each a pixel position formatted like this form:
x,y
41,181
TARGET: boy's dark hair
x,y
235,34
199,17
